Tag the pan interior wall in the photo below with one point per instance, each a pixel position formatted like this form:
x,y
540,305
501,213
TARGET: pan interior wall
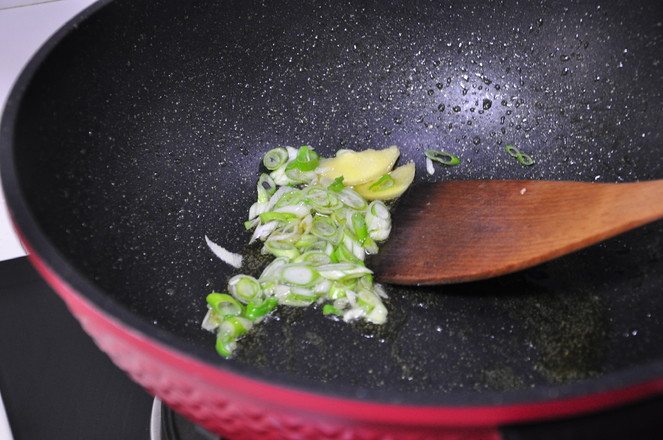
x,y
143,131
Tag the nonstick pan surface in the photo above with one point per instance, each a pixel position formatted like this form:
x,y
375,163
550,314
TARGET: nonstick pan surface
x,y
140,128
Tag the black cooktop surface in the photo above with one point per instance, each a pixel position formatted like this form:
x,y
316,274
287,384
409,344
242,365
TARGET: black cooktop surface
x,y
55,383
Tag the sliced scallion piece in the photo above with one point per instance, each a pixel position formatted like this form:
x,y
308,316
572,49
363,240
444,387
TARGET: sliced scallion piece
x,y
442,157
297,274
523,158
342,271
277,216
245,288
266,187
255,311
382,183
306,160
275,158
329,309
281,249
224,304
337,185
359,226
351,199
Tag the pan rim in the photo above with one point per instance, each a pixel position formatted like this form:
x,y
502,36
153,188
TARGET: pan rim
x,y
647,376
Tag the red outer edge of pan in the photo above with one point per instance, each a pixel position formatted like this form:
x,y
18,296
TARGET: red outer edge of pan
x,y
205,393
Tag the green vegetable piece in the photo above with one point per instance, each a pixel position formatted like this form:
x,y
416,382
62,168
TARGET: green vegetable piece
x,y
290,198
382,183
299,275
343,255
279,216
225,347
245,288
275,158
281,249
328,309
337,185
224,304
266,187
255,311
442,157
523,158
359,226
306,160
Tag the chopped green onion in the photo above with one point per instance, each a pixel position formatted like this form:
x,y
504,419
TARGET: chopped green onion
x,y
359,226
307,159
293,197
324,227
352,199
255,311
298,274
320,231
442,157
275,158
278,216
317,258
273,270
343,255
298,176
244,288
266,187
328,309
523,158
352,243
383,183
281,249
337,185
342,271
250,224
305,241
225,346
224,304
378,220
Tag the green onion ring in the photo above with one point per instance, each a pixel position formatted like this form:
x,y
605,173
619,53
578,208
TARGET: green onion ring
x,y
442,157
275,158
224,304
382,183
523,158
245,288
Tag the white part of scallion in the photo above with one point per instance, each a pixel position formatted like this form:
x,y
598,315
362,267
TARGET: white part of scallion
x,y
378,221
233,259
258,208
277,196
263,231
353,314
244,288
352,199
210,321
298,274
342,271
429,166
300,210
292,152
378,315
275,158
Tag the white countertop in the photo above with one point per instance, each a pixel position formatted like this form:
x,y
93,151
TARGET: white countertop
x,y
24,26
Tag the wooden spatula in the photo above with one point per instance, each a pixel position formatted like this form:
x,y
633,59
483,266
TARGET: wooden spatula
x,y
458,231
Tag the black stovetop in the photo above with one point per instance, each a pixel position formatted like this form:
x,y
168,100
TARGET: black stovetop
x,y
55,383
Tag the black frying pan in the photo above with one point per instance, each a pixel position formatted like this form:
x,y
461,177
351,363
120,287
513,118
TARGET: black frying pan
x,y
140,128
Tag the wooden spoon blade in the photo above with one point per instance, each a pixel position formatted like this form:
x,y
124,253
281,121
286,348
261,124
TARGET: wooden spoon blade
x,y
457,231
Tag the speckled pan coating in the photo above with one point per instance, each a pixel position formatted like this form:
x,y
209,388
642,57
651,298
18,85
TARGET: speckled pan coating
x,y
140,128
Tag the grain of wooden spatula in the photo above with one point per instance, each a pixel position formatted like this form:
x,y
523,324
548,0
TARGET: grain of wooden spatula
x,y
459,231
